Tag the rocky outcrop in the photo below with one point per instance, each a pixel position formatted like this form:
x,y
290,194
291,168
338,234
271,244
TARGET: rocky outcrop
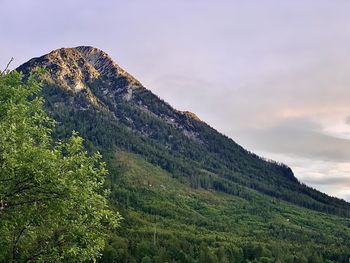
x,y
74,68
91,74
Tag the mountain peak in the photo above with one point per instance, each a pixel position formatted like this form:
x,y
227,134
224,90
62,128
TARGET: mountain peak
x,y
72,68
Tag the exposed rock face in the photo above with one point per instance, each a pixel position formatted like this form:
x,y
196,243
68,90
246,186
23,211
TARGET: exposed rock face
x,y
73,68
92,75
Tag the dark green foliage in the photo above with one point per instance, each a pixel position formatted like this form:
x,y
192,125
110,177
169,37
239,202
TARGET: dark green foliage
x,y
167,220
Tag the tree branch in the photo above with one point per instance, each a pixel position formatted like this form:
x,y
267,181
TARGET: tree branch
x,y
15,242
7,66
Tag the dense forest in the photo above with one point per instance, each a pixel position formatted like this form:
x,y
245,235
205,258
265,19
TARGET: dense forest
x,y
186,193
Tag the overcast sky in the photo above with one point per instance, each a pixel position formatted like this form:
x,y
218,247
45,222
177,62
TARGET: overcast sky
x,y
274,75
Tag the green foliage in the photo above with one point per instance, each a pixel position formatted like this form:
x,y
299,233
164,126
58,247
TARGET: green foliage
x,y
168,221
52,204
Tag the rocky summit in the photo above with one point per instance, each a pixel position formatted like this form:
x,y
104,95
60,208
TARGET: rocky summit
x,y
90,73
74,68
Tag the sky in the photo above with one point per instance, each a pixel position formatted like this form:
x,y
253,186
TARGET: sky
x,y
271,74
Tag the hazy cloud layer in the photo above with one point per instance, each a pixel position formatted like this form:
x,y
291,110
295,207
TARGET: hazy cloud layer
x,y
299,137
273,75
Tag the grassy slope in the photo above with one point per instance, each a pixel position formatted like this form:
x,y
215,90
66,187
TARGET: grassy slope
x,y
155,205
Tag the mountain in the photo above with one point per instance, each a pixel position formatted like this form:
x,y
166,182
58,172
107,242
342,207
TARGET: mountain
x,y
187,192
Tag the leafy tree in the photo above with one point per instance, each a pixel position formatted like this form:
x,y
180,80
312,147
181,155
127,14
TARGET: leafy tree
x,y
52,204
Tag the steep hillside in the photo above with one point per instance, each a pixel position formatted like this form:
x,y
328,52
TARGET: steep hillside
x,y
185,177
172,222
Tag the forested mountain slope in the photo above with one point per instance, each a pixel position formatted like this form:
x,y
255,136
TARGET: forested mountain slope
x,y
169,169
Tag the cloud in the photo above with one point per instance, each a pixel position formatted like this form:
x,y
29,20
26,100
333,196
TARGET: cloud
x,y
331,177
299,137
318,159
347,120
328,181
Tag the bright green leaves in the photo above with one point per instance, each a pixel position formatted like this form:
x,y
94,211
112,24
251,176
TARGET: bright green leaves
x,y
52,203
